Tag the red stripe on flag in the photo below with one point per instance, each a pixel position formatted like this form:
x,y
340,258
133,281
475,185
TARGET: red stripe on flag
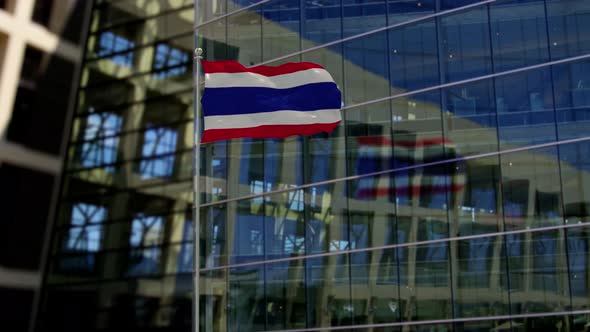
x,y
267,131
230,66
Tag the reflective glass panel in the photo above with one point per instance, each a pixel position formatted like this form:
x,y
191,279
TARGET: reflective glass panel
x,y
465,50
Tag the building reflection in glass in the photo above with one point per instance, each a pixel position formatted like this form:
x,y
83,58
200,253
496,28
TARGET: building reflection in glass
x,y
457,233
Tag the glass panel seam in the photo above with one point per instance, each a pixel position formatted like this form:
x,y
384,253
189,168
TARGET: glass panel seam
x,y
397,246
393,26
470,80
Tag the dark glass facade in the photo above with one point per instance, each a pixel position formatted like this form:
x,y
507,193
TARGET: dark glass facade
x,y
126,192
454,196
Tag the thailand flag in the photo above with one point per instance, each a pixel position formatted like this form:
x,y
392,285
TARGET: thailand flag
x,y
268,102
377,153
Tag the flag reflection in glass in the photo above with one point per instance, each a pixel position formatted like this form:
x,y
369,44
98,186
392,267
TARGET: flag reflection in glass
x,y
379,153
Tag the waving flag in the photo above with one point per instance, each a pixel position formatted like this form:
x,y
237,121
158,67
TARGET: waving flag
x,y
377,153
268,102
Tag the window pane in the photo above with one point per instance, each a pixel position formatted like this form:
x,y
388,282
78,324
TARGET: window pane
x,y
578,251
405,10
286,305
280,28
362,15
575,164
428,293
246,302
569,22
244,31
110,43
146,236
471,118
159,144
465,50
537,282
519,33
100,143
329,296
323,22
84,238
572,98
525,109
169,61
366,70
477,293
531,189
413,57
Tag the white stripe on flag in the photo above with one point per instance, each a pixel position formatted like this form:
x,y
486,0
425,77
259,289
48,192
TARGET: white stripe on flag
x,y
271,118
247,79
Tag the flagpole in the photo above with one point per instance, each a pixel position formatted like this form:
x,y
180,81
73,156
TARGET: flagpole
x,y
196,189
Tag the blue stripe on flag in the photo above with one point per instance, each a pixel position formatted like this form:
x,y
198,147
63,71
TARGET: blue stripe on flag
x,y
246,100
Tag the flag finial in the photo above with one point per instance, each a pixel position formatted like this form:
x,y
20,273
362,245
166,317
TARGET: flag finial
x,y
198,52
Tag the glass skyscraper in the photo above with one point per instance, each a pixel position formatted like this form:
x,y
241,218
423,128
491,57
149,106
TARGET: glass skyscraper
x,y
454,196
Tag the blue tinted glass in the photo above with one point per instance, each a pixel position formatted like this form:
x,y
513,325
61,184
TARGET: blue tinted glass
x,y
145,230
159,145
111,43
100,145
360,225
569,25
272,163
572,98
436,252
465,45
146,235
322,23
185,256
169,61
86,230
215,166
525,108
249,239
366,69
84,238
471,118
404,10
450,4
519,34
251,167
546,249
362,15
413,57
214,227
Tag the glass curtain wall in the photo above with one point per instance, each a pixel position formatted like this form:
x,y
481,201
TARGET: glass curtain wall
x,y
480,110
